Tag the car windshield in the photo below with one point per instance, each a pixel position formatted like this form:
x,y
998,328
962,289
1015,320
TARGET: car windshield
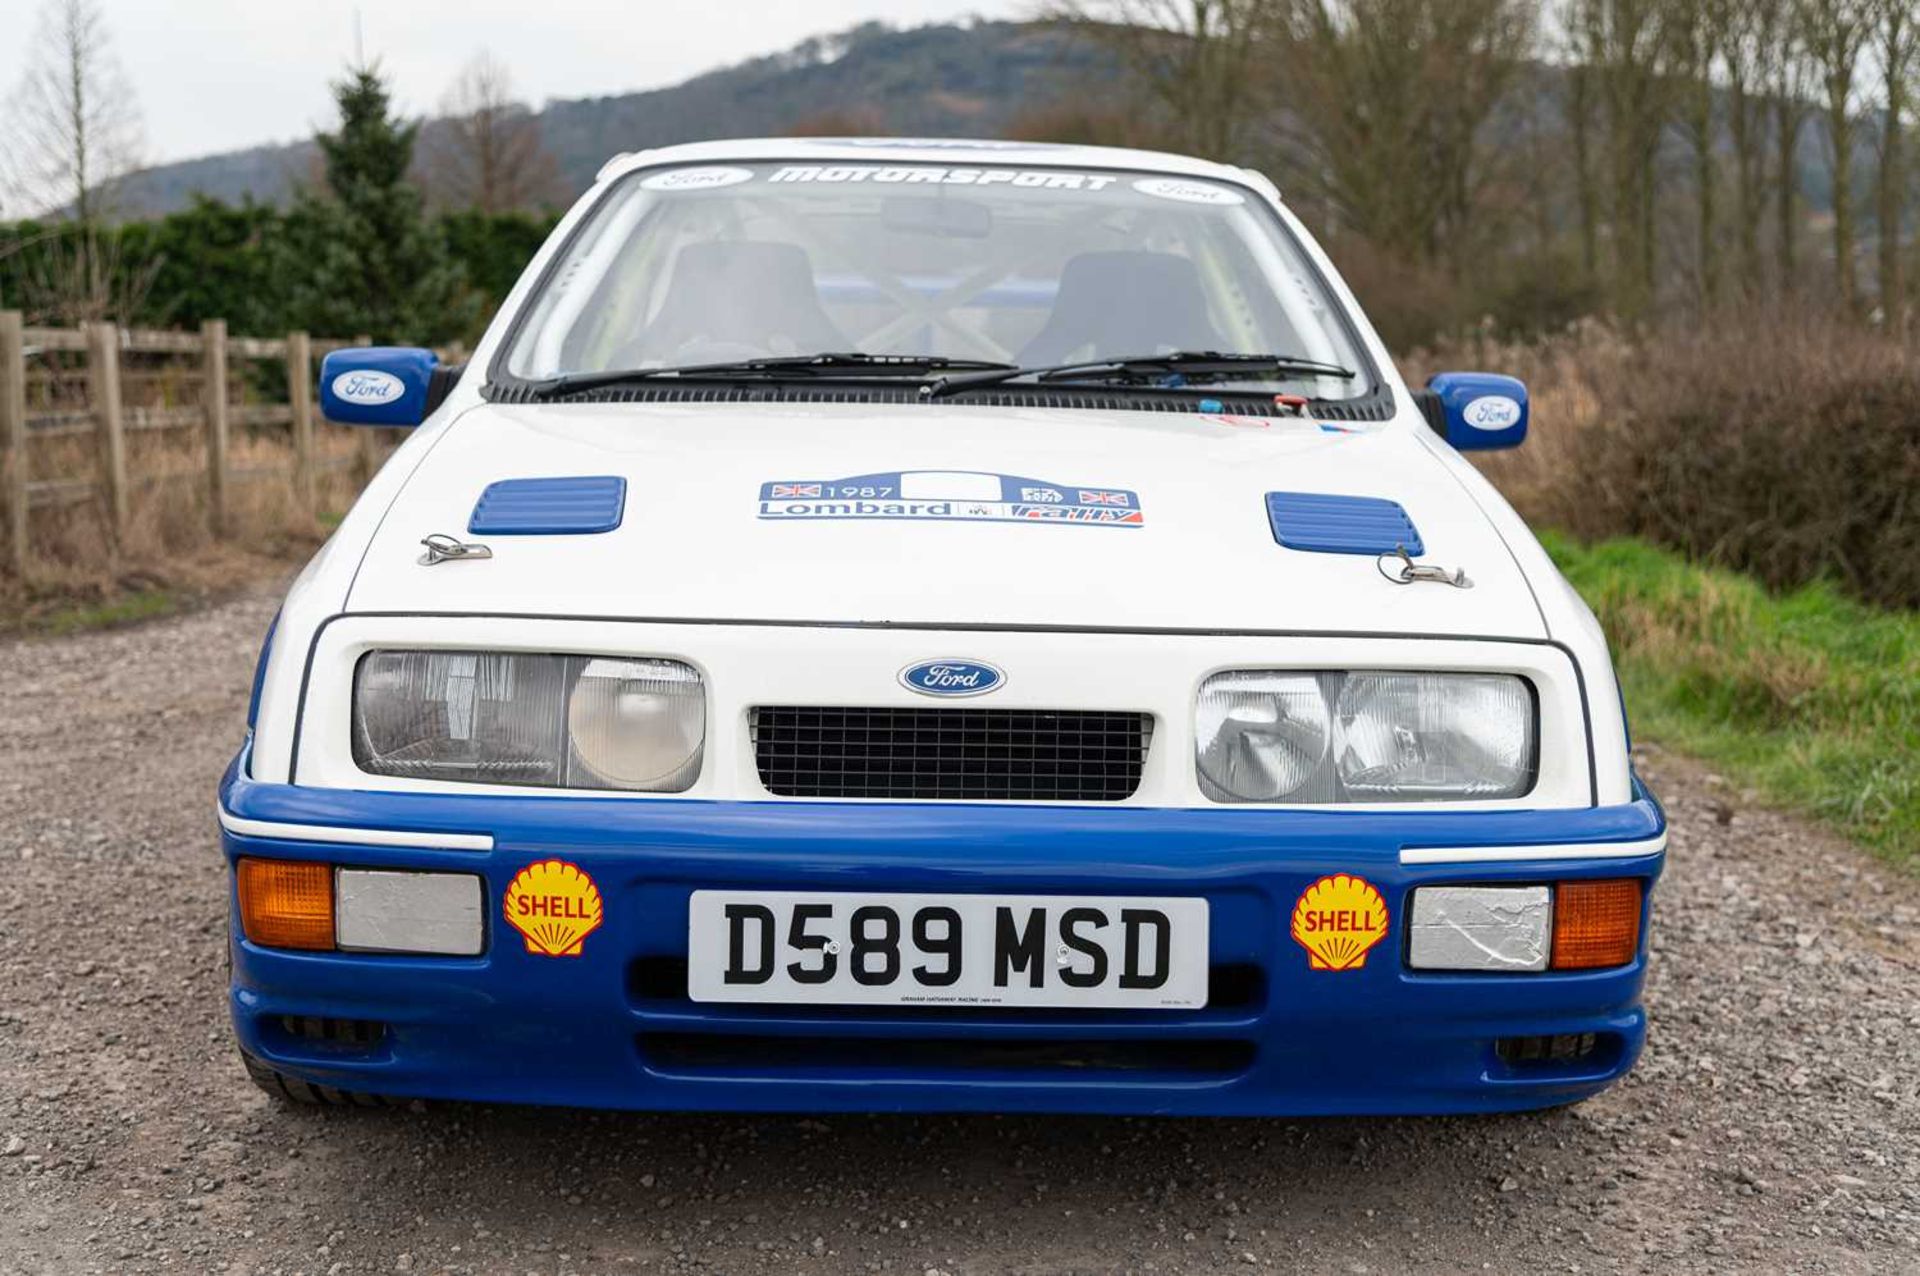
x,y
707,264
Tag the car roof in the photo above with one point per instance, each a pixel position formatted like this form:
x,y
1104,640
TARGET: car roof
x,y
914,150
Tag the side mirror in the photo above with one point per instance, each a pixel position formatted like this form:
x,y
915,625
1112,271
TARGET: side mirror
x,y
1476,411
380,385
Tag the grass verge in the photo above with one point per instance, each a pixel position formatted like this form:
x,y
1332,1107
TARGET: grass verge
x,y
124,609
1809,697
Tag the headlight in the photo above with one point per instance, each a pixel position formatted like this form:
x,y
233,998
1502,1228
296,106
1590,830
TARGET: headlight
x,y
578,722
1263,736
1327,737
1405,737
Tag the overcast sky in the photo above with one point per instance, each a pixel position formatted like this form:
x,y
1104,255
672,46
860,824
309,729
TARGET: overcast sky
x,y
213,75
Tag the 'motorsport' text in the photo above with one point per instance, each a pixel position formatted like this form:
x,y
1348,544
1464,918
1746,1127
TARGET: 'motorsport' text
x,y
924,175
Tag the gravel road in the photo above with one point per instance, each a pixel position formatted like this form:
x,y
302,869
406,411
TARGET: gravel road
x,y
1774,1123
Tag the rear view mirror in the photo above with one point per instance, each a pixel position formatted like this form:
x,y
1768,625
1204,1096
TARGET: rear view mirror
x,y
379,385
1477,411
934,215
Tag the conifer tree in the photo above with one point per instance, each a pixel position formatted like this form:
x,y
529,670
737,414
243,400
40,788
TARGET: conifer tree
x,y
372,262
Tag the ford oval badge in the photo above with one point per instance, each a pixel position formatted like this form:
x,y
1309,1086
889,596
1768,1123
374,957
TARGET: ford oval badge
x,y
951,678
368,386
1492,412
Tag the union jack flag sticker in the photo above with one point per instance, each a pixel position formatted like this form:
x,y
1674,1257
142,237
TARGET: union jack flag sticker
x,y
794,490
1104,498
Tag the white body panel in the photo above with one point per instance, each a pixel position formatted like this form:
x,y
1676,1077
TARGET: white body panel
x,y
824,612
748,665
694,544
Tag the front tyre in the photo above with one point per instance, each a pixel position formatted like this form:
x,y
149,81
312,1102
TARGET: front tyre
x,y
288,1089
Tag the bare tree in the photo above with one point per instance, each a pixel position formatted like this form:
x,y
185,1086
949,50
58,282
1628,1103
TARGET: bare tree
x,y
1790,117
1896,38
486,152
1582,112
74,125
1531,185
1623,45
73,129
1393,97
67,278
1199,61
1699,33
1834,32
1750,57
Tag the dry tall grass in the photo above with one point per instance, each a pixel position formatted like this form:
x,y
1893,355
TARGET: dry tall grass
x,y
1785,445
168,541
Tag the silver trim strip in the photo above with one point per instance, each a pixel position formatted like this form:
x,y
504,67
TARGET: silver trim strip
x,y
1561,851
484,842
362,837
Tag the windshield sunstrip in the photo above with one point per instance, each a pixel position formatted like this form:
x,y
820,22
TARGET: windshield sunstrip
x,y
958,270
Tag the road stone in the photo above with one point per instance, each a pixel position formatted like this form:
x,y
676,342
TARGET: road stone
x,y
1796,1147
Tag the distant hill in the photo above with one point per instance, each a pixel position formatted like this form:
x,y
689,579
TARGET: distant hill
x,y
935,81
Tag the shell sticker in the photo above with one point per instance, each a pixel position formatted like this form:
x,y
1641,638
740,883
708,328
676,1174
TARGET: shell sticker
x,y
1337,920
555,906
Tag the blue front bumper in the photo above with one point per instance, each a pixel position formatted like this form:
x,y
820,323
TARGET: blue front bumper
x,y
614,1028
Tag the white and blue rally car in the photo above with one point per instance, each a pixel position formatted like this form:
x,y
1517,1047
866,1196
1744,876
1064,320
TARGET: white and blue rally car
x,y
889,624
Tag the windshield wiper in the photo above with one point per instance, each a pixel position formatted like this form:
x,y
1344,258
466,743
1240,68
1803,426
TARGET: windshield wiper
x,y
1165,371
771,368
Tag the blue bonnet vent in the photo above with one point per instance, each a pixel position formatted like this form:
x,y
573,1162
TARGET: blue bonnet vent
x,y
549,506
1341,524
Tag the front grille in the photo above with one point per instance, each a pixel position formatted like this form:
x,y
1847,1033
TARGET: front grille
x,y
346,1032
657,985
982,755
1566,1047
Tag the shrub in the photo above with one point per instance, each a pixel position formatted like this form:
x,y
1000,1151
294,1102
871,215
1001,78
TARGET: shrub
x,y
1784,445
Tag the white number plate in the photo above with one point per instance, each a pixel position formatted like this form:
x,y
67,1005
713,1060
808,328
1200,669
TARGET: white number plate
x,y
948,950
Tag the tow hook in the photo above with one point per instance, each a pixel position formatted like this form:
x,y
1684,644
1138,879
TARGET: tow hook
x,y
1400,568
442,548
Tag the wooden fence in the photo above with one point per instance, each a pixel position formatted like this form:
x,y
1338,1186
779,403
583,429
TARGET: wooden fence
x,y
46,394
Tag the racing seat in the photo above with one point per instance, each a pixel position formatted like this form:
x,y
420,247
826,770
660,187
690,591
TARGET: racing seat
x,y
1124,303
741,298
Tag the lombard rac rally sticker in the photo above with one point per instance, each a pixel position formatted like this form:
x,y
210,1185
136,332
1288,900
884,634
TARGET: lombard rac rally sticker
x,y
1337,920
951,496
555,906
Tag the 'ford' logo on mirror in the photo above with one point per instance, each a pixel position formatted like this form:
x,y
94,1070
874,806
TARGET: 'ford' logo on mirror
x,y
951,678
368,386
1492,412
